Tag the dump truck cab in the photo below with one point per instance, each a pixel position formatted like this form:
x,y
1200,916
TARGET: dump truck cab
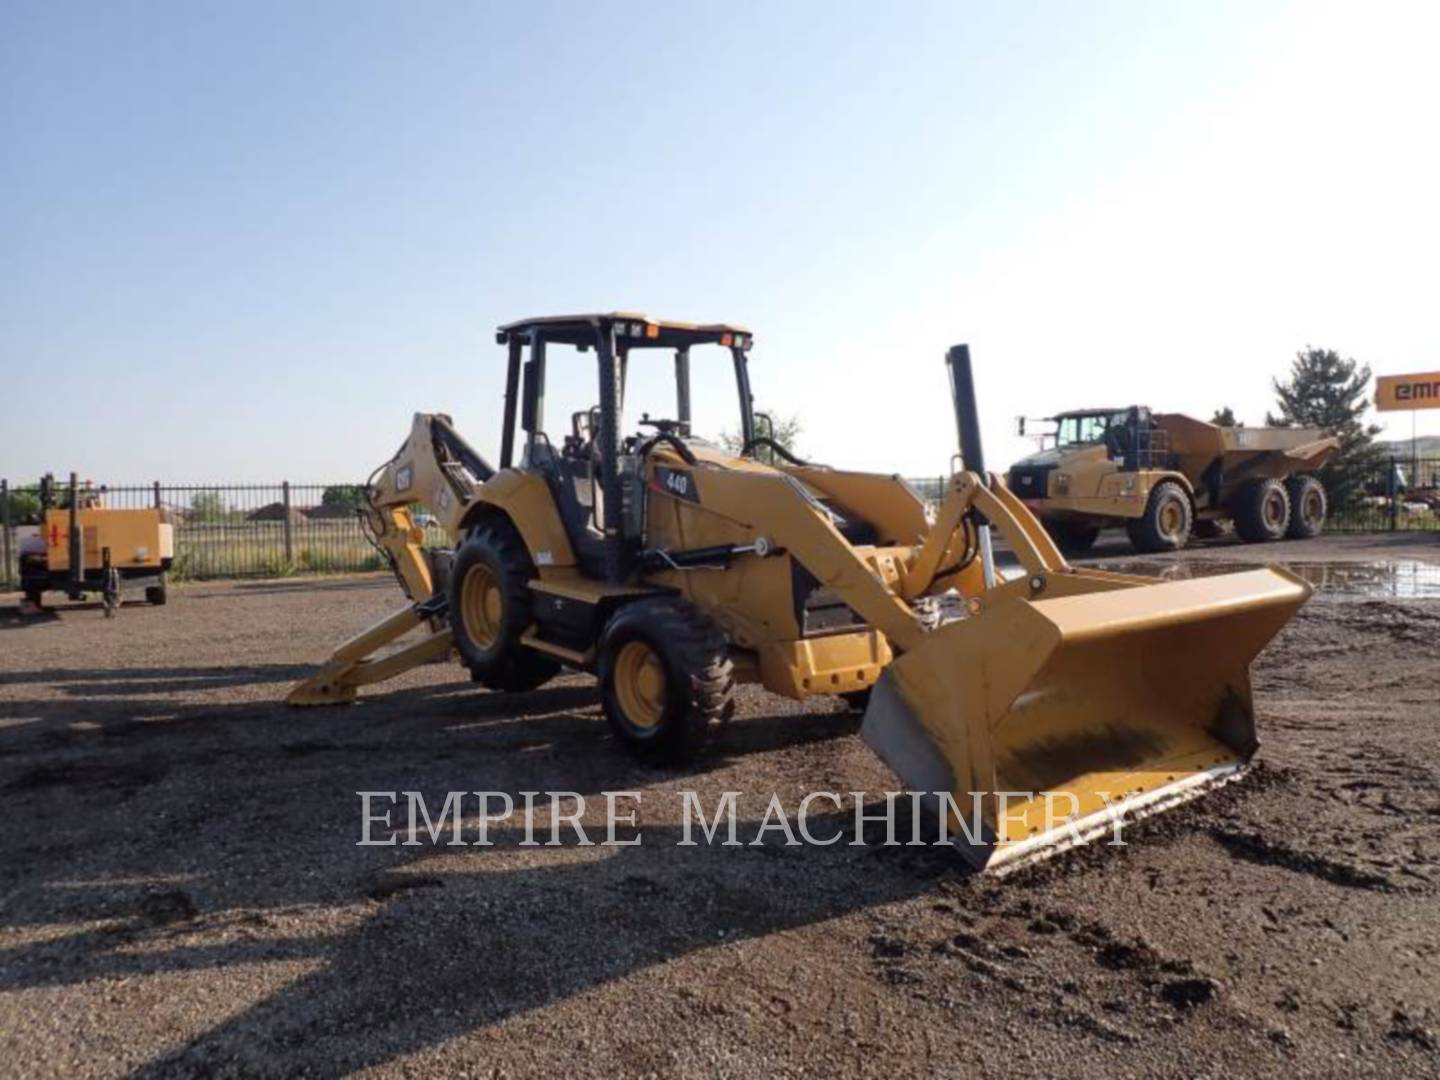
x,y
1164,476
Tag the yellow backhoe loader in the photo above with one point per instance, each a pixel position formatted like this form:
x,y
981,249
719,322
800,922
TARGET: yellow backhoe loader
x,y
1034,706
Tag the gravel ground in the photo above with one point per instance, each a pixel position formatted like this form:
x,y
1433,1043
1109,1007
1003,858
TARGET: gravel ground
x,y
181,892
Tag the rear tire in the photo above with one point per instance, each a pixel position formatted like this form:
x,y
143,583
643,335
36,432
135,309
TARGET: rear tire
x,y
1262,511
665,679
1072,538
156,594
1165,524
1308,507
490,607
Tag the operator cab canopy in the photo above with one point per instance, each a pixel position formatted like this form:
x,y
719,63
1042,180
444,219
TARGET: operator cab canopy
x,y
585,469
613,336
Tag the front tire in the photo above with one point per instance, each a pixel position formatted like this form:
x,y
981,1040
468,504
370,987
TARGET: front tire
x,y
1165,525
665,679
1262,511
1308,507
490,607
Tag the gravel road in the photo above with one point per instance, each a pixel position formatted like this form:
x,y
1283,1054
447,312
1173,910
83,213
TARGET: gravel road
x,y
181,890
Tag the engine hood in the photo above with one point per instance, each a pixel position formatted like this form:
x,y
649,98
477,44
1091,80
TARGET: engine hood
x,y
1043,457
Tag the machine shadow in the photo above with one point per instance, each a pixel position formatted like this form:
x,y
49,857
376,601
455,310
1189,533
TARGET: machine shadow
x,y
437,941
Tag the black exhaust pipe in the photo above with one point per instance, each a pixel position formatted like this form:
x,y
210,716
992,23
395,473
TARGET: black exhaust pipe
x,y
967,415
967,421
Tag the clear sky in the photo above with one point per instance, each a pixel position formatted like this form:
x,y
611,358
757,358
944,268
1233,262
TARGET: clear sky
x,y
246,241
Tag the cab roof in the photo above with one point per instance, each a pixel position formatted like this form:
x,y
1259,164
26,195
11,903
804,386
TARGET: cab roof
x,y
1090,412
635,330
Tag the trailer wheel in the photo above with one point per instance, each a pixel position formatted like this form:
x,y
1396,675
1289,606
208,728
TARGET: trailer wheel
x,y
1165,524
490,608
665,678
1262,511
1308,506
1071,537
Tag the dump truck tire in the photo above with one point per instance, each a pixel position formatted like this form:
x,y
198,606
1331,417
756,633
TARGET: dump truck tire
x,y
1072,538
1165,524
490,608
665,678
1262,511
1308,507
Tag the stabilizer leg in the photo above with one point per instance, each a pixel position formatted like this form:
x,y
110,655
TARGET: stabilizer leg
x,y
350,666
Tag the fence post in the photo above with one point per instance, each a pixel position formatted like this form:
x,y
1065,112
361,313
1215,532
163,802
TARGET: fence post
x,y
157,495
289,530
1392,490
5,530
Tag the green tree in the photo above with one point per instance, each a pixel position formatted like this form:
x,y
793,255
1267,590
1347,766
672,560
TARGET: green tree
x,y
1328,391
1225,417
344,496
207,507
785,430
24,506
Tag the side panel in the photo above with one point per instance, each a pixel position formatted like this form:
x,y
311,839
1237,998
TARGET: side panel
x,y
134,538
527,501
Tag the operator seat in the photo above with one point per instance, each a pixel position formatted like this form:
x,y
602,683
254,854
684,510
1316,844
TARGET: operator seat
x,y
574,482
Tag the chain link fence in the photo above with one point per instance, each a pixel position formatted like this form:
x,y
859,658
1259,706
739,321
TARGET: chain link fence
x,y
224,530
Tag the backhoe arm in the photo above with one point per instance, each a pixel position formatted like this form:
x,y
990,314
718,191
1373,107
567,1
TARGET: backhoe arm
x,y
436,468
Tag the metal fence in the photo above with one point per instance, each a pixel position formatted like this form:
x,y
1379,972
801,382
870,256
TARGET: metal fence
x,y
271,530
224,530
1401,494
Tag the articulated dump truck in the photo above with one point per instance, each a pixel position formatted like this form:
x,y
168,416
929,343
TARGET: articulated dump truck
x,y
1164,477
1033,706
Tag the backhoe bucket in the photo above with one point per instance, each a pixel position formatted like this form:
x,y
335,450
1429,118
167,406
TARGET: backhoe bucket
x,y
1046,721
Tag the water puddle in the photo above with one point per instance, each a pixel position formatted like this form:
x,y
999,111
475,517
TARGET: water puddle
x,y
1399,579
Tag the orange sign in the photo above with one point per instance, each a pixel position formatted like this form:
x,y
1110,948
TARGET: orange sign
x,y
1394,392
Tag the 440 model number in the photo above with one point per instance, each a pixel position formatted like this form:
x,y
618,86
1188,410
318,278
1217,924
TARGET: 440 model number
x,y
676,482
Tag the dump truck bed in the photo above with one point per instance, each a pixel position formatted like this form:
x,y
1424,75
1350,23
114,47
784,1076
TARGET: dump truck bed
x,y
1247,451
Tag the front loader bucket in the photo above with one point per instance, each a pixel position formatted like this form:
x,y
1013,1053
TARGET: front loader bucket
x,y
1046,721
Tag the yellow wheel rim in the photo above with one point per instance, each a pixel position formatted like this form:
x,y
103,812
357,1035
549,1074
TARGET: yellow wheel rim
x,y
482,605
640,684
1170,519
